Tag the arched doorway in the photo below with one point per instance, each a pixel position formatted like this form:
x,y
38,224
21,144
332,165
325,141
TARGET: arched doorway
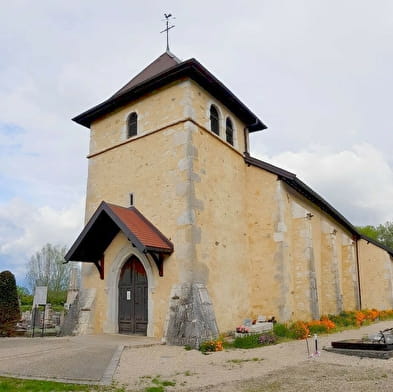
x,y
133,292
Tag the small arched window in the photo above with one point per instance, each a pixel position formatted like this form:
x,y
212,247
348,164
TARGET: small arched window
x,y
229,131
214,120
132,125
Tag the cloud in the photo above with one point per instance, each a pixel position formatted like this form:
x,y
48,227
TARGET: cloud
x,y
25,229
356,181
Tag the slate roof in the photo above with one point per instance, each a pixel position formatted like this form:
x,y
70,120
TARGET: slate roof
x,y
162,71
106,223
161,64
292,180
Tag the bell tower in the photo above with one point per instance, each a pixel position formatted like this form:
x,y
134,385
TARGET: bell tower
x,y
173,137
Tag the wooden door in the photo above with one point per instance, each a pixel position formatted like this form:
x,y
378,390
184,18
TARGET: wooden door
x,y
133,298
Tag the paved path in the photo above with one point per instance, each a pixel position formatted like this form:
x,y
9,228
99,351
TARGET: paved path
x,y
81,359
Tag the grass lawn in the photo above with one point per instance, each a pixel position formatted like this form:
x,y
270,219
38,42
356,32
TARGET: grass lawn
x,y
21,385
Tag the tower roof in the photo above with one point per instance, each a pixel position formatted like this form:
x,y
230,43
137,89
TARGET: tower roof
x,y
160,64
165,69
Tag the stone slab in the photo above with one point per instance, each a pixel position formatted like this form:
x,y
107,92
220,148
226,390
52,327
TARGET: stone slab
x,y
361,353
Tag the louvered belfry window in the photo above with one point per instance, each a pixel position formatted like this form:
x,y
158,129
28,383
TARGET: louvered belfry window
x,y
214,120
229,131
132,125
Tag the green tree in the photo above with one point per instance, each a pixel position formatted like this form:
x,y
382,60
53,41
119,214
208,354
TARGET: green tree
x,y
46,268
24,295
382,233
385,234
369,231
9,304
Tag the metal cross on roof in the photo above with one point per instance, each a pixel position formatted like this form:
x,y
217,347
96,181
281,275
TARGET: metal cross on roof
x,y
167,18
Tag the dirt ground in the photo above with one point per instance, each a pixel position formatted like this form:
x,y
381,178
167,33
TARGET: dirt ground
x,y
282,367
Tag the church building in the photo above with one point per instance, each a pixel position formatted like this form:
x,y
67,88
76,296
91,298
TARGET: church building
x,y
187,234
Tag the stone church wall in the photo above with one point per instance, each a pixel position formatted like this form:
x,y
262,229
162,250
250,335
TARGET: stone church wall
x,y
243,238
375,276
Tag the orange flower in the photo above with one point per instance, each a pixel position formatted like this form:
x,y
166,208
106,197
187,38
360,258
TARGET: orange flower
x,y
329,324
360,317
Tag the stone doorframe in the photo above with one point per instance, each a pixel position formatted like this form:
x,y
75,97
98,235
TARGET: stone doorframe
x,y
111,324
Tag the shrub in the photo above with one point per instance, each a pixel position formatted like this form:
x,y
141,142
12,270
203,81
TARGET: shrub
x,y
329,324
386,314
211,346
281,330
321,326
248,341
316,326
360,318
267,338
24,296
372,314
57,297
299,330
344,319
9,304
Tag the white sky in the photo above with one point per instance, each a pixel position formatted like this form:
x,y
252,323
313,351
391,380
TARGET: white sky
x,y
317,72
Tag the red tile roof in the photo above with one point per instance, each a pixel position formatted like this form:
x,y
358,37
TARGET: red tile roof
x,y
106,223
144,230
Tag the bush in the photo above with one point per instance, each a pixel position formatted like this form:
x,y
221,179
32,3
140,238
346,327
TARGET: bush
x,y
281,330
211,346
248,341
316,327
372,314
386,315
9,304
266,339
299,330
24,296
344,319
57,297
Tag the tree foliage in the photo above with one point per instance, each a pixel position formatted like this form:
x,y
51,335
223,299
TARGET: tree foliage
x,y
46,268
24,296
382,233
9,304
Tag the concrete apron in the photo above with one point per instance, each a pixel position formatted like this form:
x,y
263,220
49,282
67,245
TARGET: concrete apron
x,y
90,359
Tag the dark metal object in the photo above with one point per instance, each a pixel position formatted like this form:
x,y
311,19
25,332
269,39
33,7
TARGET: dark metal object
x,y
133,292
357,344
379,354
167,17
43,322
358,272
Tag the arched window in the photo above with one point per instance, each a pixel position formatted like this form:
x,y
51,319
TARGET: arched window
x,y
132,125
229,131
214,120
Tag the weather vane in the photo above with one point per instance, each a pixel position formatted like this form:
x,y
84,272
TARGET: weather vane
x,y
167,18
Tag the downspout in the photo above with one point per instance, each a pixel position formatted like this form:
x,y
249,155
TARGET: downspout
x,y
247,152
356,239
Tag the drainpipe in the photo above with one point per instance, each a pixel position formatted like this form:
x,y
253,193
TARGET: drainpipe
x,y
356,239
246,152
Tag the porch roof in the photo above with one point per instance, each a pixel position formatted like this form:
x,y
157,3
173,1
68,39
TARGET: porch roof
x,y
107,221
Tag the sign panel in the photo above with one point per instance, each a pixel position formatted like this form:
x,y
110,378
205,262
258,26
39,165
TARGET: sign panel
x,y
128,295
40,295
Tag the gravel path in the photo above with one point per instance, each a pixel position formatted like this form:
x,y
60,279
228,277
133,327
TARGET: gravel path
x,y
282,367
